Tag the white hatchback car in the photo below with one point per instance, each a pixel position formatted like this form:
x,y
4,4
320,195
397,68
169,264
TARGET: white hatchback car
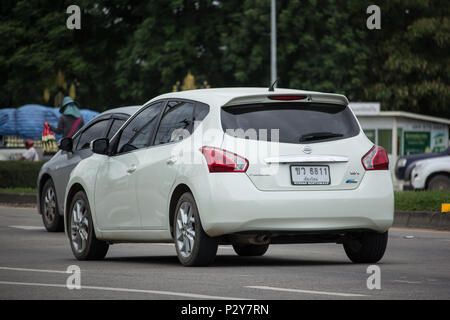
x,y
246,167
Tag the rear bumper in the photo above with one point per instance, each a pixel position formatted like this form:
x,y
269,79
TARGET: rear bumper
x,y
231,203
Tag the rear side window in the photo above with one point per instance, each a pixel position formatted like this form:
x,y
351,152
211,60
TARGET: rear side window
x,y
177,116
201,111
296,122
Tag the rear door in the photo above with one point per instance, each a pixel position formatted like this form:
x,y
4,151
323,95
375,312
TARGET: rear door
x,y
297,145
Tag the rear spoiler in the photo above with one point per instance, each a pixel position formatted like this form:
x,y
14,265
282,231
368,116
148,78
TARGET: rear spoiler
x,y
309,97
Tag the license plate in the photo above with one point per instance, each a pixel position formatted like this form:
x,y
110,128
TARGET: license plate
x,y
310,175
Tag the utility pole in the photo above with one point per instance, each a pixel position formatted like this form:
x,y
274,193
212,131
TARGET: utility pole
x,y
273,43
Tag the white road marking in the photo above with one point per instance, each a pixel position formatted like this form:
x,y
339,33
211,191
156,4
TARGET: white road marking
x,y
171,244
32,270
406,281
167,293
420,230
226,247
28,227
308,291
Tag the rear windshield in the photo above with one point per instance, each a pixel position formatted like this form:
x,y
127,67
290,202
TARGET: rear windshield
x,y
296,122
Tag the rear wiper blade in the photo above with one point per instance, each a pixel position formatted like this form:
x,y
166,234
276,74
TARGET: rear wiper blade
x,y
319,136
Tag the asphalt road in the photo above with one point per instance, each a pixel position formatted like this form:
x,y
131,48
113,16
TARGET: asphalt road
x,y
33,265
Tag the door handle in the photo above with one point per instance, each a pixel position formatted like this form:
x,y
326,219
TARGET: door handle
x,y
131,169
171,160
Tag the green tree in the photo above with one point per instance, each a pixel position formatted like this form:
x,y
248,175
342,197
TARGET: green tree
x,y
35,43
322,46
245,43
410,65
173,38
129,51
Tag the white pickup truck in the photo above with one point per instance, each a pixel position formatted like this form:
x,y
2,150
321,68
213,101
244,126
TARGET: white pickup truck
x,y
432,174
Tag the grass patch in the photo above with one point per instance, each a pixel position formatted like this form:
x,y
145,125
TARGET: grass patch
x,y
421,200
19,190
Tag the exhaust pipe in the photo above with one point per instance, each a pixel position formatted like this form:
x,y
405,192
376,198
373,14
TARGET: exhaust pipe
x,y
251,238
260,239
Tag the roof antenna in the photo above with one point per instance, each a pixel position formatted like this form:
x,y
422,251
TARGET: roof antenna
x,y
272,87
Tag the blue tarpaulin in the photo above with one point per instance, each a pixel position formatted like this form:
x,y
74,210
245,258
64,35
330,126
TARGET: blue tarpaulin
x,y
28,120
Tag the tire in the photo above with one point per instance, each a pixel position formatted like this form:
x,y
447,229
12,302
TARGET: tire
x,y
368,247
439,182
250,250
84,243
194,247
53,221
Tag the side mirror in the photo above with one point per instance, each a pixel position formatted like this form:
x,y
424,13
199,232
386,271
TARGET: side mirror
x,y
66,144
100,146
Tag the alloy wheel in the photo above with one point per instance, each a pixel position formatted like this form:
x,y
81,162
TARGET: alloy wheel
x,y
79,226
185,229
50,205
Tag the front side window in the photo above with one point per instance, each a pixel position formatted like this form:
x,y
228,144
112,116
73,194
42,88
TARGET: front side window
x,y
75,139
117,123
96,131
139,130
175,123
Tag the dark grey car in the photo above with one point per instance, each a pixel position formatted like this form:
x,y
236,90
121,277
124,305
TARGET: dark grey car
x,y
54,174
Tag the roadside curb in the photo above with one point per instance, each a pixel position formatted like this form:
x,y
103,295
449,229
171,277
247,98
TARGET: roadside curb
x,y
422,220
18,199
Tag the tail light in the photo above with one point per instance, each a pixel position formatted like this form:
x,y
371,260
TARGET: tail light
x,y
376,159
220,160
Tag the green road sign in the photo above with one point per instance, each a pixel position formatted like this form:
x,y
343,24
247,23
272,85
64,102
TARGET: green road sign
x,y
416,142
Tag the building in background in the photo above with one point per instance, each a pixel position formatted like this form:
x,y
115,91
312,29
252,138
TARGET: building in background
x,y
416,133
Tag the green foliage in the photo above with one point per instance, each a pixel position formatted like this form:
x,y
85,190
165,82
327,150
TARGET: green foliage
x,y
19,174
322,46
411,61
19,190
129,51
174,38
245,41
420,200
35,44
